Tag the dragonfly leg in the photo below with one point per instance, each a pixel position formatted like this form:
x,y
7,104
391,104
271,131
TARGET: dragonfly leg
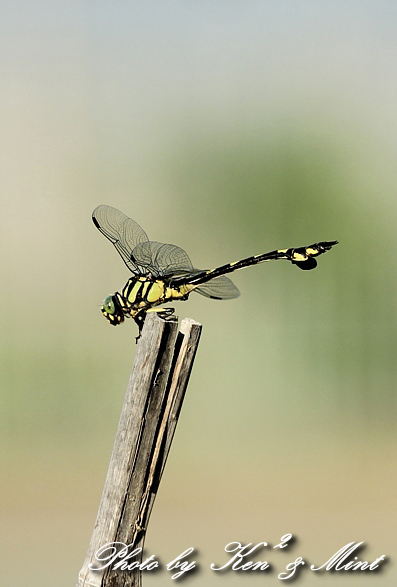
x,y
140,318
163,312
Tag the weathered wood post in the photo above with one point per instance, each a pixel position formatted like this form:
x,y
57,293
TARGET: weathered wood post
x,y
150,412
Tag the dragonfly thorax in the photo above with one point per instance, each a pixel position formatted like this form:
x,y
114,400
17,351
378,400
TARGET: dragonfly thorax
x,y
140,295
145,292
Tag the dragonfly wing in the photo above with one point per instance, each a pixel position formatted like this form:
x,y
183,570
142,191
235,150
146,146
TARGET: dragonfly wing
x,y
122,231
219,288
162,259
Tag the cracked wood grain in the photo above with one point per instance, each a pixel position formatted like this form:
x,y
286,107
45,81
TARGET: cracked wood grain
x,y
149,416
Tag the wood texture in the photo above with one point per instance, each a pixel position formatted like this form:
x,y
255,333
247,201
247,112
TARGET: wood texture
x,y
147,424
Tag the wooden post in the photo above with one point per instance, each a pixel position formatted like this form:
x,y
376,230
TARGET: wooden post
x,y
150,412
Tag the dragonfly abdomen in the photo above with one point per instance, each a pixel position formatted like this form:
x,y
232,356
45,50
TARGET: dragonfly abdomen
x,y
303,257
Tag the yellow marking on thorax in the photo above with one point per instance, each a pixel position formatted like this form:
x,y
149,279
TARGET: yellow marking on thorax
x,y
145,287
133,293
155,291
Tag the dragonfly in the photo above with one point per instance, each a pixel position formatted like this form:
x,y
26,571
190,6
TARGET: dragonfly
x,y
164,273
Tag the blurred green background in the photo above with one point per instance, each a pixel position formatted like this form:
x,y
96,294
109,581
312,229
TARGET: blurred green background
x,y
229,129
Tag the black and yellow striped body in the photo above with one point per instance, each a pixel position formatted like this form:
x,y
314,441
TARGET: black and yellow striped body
x,y
304,257
143,294
163,272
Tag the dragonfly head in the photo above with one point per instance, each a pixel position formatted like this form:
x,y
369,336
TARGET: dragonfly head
x,y
112,310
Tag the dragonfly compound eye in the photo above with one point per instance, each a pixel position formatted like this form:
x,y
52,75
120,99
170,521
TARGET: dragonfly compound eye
x,y
112,310
108,305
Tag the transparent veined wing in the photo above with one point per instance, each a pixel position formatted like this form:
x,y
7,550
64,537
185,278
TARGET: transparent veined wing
x,y
219,288
162,260
157,259
166,260
122,231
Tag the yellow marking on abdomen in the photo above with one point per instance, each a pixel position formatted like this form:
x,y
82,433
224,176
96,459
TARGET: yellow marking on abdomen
x,y
174,293
311,252
299,257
